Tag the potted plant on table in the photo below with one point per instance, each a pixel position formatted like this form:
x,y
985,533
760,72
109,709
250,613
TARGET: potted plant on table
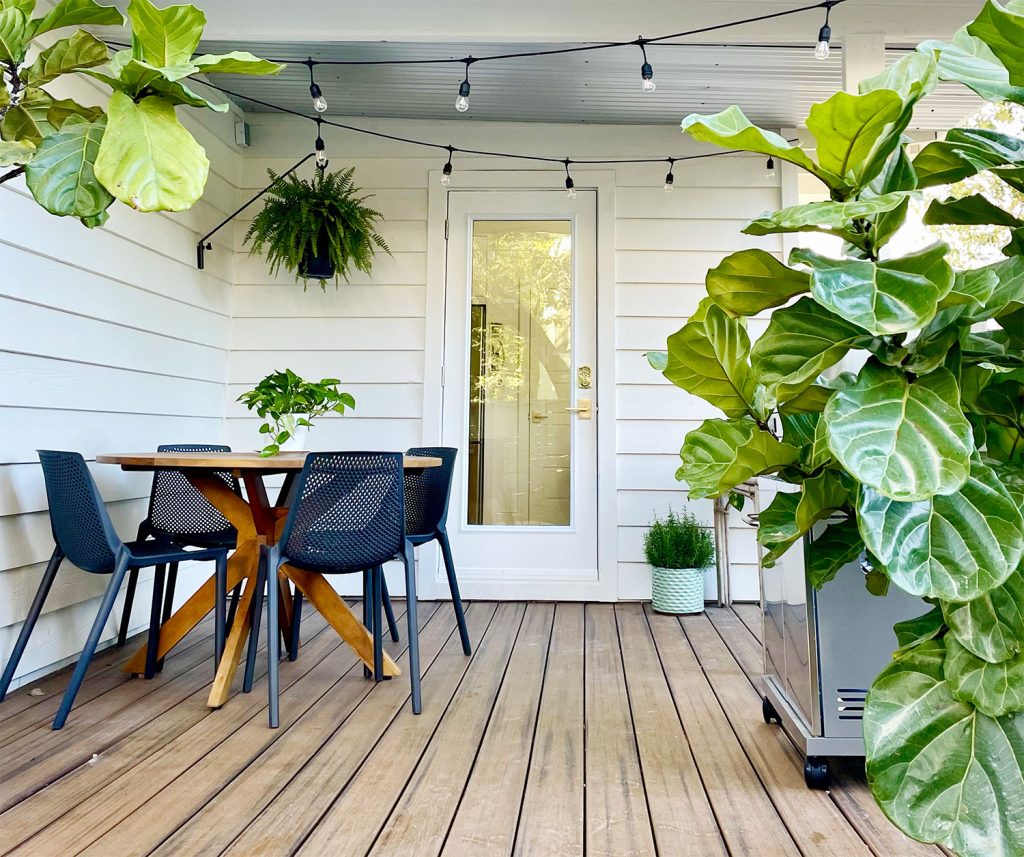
x,y
319,229
679,551
288,405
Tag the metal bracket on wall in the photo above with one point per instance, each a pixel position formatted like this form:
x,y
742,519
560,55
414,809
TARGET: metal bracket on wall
x,y
204,243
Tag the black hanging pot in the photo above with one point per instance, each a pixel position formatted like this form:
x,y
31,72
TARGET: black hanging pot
x,y
316,264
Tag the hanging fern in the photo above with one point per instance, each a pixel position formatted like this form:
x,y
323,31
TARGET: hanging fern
x,y
322,216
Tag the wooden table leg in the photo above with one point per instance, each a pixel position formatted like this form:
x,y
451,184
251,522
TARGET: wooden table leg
x,y
322,596
234,647
197,606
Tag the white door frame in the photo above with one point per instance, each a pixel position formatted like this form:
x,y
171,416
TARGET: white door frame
x,y
431,582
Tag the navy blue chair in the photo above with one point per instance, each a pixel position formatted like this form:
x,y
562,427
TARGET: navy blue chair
x,y
84,534
348,516
180,514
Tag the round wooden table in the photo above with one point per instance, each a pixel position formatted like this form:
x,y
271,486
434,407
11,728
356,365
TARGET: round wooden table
x,y
258,522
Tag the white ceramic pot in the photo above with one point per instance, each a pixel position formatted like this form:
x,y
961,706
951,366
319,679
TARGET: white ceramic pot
x,y
677,590
298,434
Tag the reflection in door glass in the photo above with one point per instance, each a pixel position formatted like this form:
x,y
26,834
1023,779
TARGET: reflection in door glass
x,y
520,373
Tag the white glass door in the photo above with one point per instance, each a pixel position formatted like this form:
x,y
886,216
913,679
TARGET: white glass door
x,y
520,392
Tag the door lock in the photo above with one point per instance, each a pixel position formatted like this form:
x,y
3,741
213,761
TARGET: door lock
x,y
583,409
537,416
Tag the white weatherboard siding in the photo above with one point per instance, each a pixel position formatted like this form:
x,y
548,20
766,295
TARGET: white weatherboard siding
x,y
371,334
110,340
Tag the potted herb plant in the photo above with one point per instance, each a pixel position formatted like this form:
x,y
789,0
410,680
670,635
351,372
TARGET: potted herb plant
x,y
679,551
288,405
320,228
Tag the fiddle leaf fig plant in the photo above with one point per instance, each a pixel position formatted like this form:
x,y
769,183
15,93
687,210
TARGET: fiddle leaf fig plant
x,y
77,159
916,459
284,401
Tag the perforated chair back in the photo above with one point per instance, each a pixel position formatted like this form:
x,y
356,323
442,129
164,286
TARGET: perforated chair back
x,y
348,514
178,508
80,523
427,491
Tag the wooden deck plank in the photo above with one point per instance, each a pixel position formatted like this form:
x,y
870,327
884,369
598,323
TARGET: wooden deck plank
x,y
617,821
408,756
82,806
244,789
288,819
681,814
551,819
813,820
500,769
749,821
750,615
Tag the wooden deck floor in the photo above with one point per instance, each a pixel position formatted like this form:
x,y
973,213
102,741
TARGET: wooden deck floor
x,y
598,730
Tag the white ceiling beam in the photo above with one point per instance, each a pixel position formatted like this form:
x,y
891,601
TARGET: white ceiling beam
x,y
863,57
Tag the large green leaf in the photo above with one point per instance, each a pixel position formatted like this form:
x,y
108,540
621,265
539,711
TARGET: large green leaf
x,y
750,281
801,341
732,129
970,61
975,210
82,50
913,632
906,439
17,152
236,62
792,514
1003,31
965,152
833,218
953,546
882,297
61,176
912,77
991,626
941,770
61,110
839,545
856,134
721,454
13,34
708,357
994,689
164,37
27,121
147,159
77,13
973,287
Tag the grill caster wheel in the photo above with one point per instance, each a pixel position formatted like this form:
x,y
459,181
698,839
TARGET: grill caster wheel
x,y
768,712
817,773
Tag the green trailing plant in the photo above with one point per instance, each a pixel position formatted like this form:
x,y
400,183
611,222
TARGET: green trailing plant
x,y
284,401
917,458
77,160
678,541
323,219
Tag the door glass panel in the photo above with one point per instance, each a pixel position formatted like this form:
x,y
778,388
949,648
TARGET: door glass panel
x,y
519,432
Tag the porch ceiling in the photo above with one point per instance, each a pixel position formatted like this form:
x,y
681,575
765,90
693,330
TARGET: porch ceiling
x,y
775,85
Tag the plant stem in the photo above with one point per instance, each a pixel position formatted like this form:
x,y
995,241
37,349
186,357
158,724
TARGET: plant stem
x,y
13,174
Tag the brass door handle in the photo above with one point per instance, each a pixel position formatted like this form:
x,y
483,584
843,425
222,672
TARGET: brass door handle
x,y
584,409
537,416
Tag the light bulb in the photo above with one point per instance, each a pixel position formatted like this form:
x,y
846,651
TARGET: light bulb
x,y
462,102
319,102
670,183
647,74
446,174
321,152
824,36
571,193
770,168
649,85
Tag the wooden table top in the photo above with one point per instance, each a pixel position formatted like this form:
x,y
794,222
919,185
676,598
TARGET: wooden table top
x,y
283,461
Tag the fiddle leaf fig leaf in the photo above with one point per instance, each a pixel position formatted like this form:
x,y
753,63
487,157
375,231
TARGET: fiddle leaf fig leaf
x,y
658,360
750,281
792,514
718,455
147,159
964,153
708,357
838,546
912,77
992,625
882,297
801,342
994,689
1003,31
27,120
968,60
77,13
61,176
940,769
956,547
907,440
969,211
82,50
829,217
913,632
733,130
973,287
236,62
16,152
164,37
13,34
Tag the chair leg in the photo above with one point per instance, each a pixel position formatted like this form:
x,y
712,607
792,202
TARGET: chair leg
x,y
30,620
169,586
378,625
389,611
293,645
154,621
254,632
273,648
453,585
367,616
414,639
126,611
220,609
116,579
235,595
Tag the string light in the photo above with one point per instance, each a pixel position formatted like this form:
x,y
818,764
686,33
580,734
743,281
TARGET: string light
x,y
462,102
646,70
824,34
570,185
446,171
319,102
321,148
670,179
770,167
